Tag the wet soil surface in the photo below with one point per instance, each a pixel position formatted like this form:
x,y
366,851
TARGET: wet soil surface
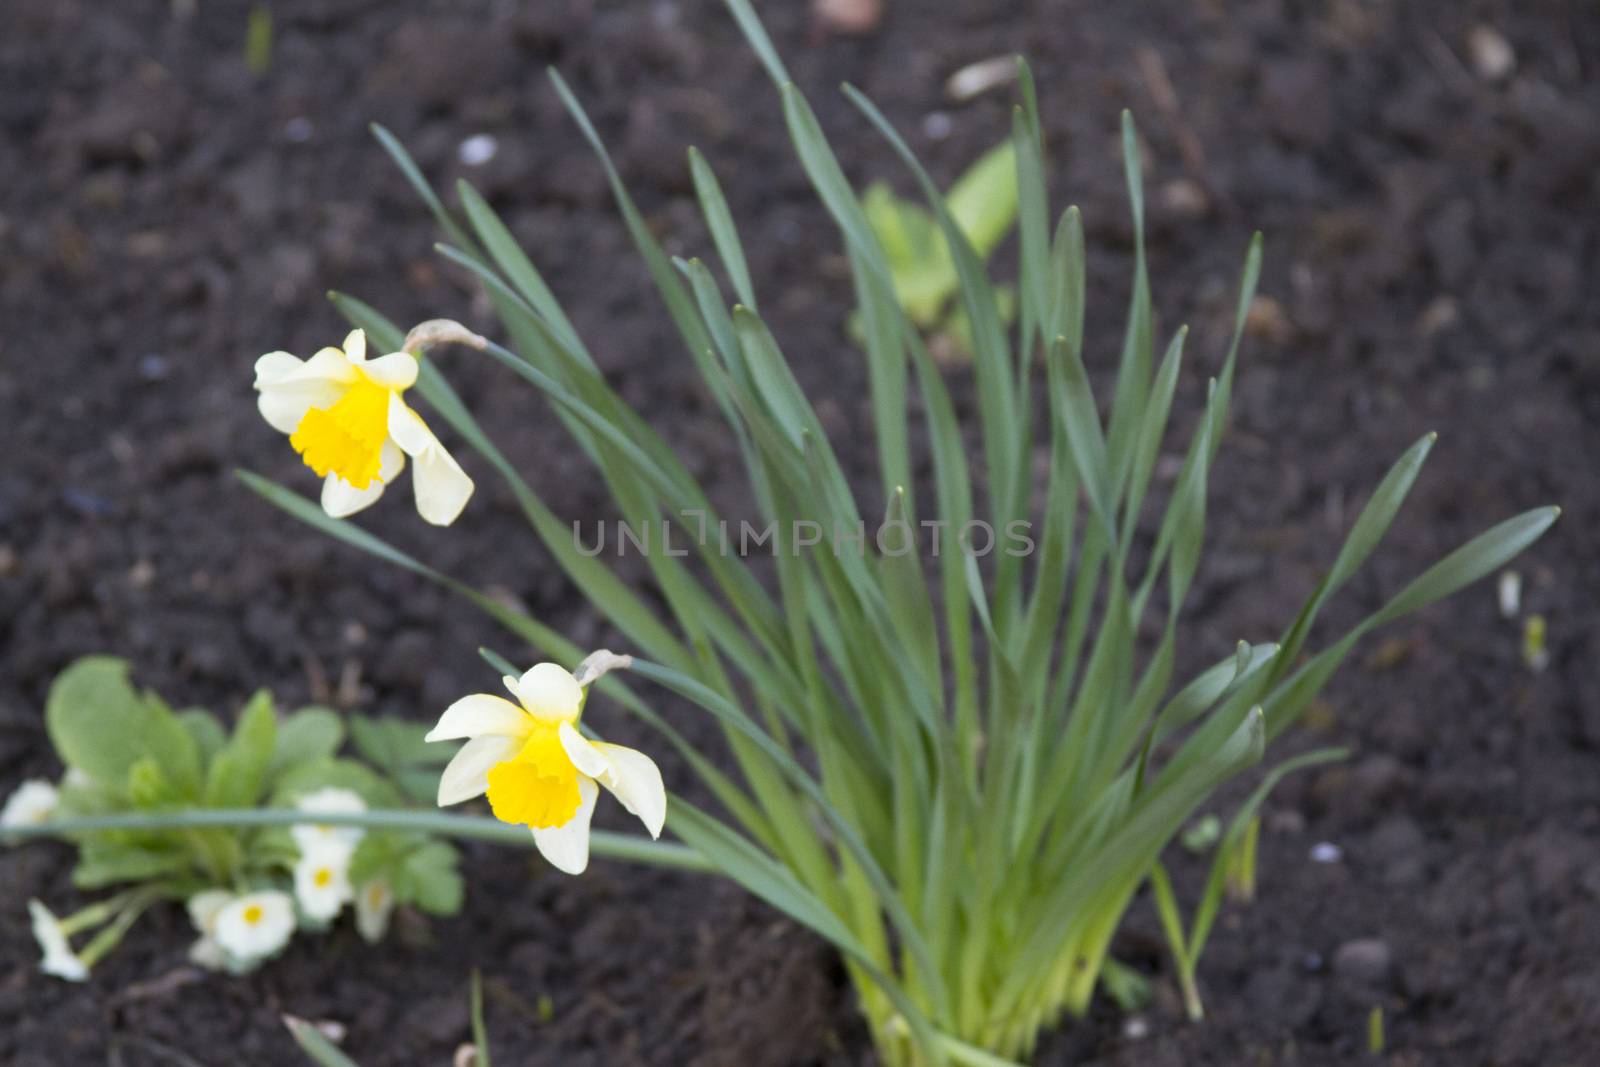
x,y
1425,175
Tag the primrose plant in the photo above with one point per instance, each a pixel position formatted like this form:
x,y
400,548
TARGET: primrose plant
x,y
131,761
958,766
983,203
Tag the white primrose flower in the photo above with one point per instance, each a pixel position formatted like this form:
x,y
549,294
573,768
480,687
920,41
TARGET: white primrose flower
x,y
59,959
253,927
345,416
322,881
32,803
538,770
203,908
374,905
329,801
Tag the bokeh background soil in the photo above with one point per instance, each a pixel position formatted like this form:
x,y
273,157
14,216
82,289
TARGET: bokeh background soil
x,y
1425,174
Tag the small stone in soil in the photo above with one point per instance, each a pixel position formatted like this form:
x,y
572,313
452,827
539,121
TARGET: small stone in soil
x,y
1492,55
1326,852
477,150
937,125
1366,960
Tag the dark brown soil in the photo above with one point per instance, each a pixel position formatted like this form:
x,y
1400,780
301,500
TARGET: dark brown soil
x,y
1431,254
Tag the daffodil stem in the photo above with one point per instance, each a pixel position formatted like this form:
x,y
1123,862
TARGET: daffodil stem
x,y
628,847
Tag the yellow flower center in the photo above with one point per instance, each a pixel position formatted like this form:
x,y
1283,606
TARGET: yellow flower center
x,y
347,438
322,878
539,785
253,914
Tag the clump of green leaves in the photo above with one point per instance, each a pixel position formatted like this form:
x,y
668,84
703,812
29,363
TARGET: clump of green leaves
x,y
127,752
961,770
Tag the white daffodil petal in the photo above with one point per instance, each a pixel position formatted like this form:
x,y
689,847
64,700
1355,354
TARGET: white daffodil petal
x,y
407,428
441,486
582,752
567,846
467,774
550,692
478,714
282,368
341,499
397,370
635,780
283,406
355,346
290,387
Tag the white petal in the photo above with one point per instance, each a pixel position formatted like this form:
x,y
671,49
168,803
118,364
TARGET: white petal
x,y
479,714
397,370
33,802
631,776
467,774
284,406
205,905
246,941
374,903
281,368
290,387
407,428
582,752
355,346
442,487
550,692
340,499
567,846
635,780
205,952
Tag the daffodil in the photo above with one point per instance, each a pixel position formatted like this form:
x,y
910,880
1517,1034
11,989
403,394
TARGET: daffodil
x,y
322,881
538,770
32,803
254,926
332,800
374,905
59,959
346,417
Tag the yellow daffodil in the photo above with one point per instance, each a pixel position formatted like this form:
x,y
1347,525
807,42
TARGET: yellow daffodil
x,y
538,770
345,416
